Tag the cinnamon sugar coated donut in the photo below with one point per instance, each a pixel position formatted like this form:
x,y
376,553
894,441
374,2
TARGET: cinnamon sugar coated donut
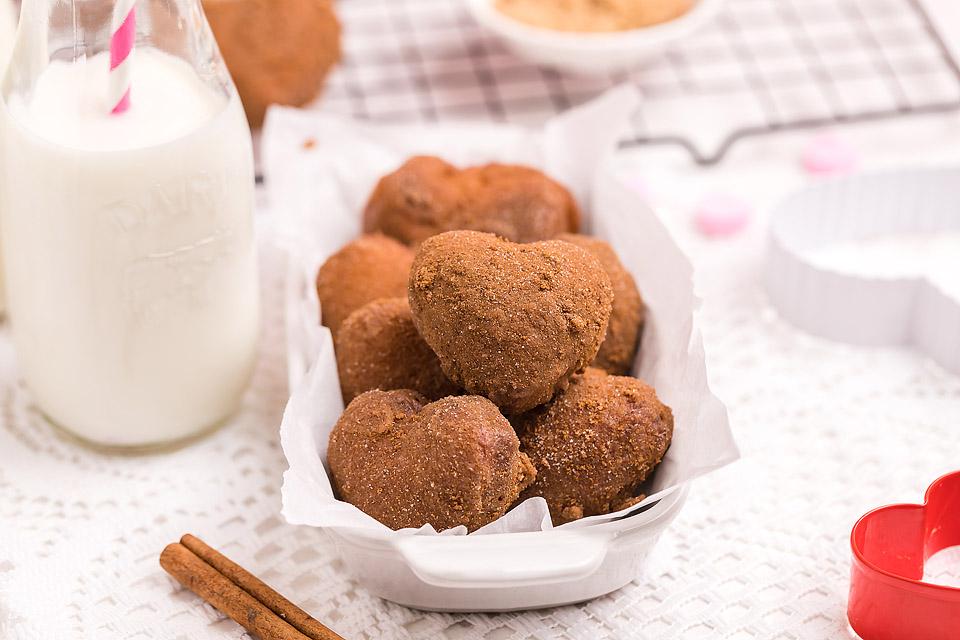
x,y
594,444
407,463
626,320
371,267
511,322
427,196
278,51
378,347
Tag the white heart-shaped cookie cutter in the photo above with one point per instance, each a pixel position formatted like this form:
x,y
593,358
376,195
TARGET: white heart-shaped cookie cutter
x,y
879,311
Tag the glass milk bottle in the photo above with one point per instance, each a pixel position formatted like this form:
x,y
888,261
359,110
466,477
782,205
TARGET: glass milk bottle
x,y
127,220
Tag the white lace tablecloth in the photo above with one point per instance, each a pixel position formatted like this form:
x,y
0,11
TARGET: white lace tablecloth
x,y
759,552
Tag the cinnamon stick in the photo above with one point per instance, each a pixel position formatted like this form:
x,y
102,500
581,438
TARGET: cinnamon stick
x,y
209,584
286,610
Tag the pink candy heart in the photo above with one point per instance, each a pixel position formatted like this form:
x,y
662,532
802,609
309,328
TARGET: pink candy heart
x,y
828,154
721,215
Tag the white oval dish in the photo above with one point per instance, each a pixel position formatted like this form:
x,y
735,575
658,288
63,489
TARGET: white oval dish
x,y
590,53
508,571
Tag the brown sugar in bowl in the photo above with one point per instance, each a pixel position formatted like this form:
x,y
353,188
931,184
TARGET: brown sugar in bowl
x,y
278,51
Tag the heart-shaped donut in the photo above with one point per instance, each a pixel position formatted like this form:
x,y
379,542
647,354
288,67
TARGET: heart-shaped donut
x,y
407,463
509,321
427,196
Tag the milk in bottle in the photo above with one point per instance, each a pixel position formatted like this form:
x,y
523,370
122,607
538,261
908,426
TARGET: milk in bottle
x,y
128,238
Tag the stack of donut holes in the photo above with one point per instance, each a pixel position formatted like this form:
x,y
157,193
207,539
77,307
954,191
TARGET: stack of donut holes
x,y
483,348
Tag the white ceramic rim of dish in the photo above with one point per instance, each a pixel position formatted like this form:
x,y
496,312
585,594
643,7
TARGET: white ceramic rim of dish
x,y
535,558
488,15
460,561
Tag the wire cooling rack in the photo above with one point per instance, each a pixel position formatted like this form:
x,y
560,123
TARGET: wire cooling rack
x,y
762,66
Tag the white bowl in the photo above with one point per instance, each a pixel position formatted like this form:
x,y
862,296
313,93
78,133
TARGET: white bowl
x,y
508,571
590,53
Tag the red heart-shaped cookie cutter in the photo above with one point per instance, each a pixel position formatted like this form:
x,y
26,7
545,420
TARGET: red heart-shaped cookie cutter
x,y
888,598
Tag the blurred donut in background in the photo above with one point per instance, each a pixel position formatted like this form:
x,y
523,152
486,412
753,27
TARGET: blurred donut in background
x,y
278,51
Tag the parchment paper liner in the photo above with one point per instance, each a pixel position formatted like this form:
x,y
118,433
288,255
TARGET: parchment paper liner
x,y
321,169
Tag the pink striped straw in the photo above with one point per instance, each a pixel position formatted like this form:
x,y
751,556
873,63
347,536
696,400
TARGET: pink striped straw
x,y
124,32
